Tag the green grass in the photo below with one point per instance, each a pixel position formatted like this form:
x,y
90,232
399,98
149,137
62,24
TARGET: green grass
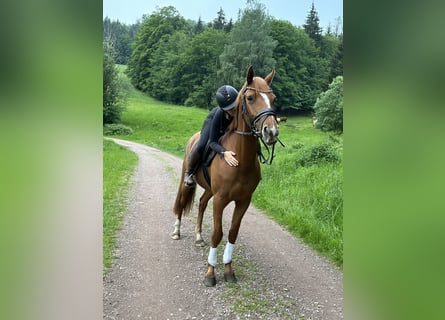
x,y
307,200
160,125
118,166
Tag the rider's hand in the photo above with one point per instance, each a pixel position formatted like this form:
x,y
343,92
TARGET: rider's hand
x,y
230,159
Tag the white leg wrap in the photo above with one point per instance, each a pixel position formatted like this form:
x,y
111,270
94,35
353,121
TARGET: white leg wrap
x,y
228,251
177,226
212,256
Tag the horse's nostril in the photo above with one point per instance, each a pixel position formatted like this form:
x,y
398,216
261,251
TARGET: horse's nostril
x,y
269,132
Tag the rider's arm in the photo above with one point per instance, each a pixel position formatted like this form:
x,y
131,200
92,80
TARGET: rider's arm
x,y
218,127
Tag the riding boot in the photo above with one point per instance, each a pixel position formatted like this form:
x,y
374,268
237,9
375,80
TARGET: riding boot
x,y
192,166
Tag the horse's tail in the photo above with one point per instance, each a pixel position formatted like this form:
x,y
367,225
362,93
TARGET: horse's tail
x,y
184,198
186,195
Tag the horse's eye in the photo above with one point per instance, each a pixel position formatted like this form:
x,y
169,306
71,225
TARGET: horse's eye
x,y
250,98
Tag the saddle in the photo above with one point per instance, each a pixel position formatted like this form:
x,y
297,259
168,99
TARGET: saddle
x,y
207,159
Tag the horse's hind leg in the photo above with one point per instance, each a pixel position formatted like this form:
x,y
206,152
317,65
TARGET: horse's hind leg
x,y
176,234
179,206
183,205
185,195
203,201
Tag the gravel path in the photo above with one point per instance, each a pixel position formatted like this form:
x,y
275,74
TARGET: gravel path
x,y
155,277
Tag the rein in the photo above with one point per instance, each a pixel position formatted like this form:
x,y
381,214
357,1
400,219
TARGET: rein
x,y
270,154
253,119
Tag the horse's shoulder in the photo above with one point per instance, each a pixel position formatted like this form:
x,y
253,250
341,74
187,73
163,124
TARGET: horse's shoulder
x,y
227,138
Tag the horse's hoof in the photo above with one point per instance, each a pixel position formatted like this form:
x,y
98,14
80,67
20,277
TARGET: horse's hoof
x,y
175,236
199,243
230,278
210,281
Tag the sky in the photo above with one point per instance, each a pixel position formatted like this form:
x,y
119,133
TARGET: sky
x,y
295,11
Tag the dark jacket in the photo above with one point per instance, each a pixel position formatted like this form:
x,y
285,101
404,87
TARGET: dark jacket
x,y
213,128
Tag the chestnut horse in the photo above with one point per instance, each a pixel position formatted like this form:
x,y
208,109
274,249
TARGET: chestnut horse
x,y
254,119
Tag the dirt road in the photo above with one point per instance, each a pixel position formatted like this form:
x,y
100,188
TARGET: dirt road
x,y
155,277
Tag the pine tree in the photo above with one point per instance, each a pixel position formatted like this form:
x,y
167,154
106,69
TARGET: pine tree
x,y
220,21
199,27
228,26
312,26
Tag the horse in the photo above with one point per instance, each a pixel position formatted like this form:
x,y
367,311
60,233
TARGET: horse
x,y
254,119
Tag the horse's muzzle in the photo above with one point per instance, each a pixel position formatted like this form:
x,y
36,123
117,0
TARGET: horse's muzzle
x,y
269,134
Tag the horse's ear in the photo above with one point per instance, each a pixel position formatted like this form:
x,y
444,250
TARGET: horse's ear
x,y
250,75
270,77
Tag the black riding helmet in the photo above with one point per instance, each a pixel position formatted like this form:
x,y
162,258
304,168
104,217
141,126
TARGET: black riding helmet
x,y
226,96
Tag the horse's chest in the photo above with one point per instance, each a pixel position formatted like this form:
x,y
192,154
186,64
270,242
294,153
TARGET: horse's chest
x,y
246,184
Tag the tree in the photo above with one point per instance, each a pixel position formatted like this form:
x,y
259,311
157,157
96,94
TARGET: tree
x,y
200,63
329,107
199,27
112,95
336,63
300,70
250,43
331,51
338,31
312,26
164,82
220,21
229,26
154,29
121,36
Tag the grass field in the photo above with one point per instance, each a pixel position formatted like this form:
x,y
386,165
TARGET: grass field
x,y
118,166
302,189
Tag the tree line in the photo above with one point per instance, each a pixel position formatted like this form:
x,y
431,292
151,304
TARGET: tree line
x,y
184,61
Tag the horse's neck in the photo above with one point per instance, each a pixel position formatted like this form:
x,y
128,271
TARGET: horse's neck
x,y
247,143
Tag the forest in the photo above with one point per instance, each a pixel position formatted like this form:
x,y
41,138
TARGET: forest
x,y
183,61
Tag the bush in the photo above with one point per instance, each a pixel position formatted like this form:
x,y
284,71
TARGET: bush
x,y
329,107
117,129
319,153
297,145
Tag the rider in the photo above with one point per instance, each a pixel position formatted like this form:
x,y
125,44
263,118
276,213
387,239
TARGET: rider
x,y
213,129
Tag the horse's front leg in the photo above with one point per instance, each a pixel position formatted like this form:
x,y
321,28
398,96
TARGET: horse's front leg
x,y
217,233
238,214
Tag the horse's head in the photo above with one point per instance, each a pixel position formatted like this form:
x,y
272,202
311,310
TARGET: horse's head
x,y
257,100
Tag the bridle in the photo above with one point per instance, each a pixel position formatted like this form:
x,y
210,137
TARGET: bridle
x,y
252,121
